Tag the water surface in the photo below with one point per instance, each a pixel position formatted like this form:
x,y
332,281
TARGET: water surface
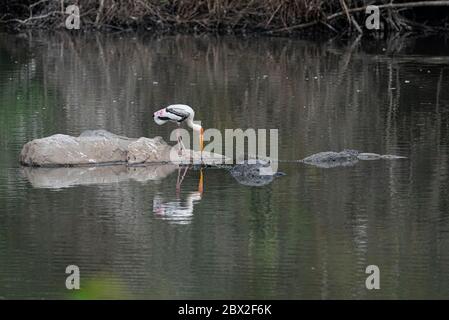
x,y
309,234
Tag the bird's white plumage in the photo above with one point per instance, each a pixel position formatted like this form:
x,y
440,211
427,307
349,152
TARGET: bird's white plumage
x,y
179,113
176,113
181,110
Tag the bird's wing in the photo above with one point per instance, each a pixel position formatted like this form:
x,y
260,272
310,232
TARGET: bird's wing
x,y
182,114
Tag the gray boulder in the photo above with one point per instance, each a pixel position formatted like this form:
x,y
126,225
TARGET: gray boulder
x,y
92,147
100,147
66,150
145,150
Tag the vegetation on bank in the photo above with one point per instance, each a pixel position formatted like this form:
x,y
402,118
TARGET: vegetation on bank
x,y
226,16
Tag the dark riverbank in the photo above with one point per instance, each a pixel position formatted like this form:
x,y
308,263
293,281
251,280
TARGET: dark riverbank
x,y
275,17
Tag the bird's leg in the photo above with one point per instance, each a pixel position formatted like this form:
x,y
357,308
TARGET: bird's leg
x,y
180,143
178,137
184,174
178,185
180,179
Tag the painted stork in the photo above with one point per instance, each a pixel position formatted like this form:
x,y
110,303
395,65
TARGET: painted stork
x,y
179,113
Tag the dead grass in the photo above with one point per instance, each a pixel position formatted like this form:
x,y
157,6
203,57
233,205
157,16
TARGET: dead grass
x,y
270,16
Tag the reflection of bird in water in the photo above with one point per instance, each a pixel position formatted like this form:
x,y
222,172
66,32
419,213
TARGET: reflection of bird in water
x,y
179,113
181,176
176,211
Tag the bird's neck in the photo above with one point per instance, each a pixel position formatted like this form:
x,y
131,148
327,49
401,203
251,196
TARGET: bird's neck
x,y
194,126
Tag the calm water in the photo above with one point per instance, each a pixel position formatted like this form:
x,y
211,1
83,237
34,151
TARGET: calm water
x,y
309,234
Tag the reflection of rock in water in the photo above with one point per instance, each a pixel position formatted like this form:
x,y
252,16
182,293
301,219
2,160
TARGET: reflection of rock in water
x,y
67,177
249,174
176,211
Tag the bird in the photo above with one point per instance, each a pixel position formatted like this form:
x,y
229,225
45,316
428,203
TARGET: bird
x,y
179,113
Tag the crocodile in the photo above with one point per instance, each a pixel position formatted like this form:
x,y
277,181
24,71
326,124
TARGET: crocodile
x,y
347,157
248,173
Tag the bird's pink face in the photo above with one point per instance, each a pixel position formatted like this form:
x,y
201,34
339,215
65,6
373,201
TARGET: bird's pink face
x,y
159,115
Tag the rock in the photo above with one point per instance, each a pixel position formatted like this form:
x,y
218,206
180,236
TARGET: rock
x,y
145,150
104,134
99,147
64,150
